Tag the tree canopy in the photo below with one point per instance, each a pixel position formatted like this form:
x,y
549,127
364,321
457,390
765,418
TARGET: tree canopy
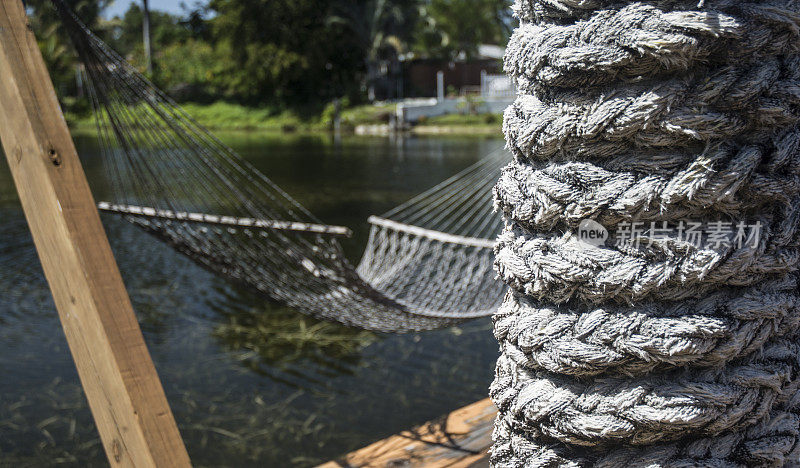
x,y
454,29
280,52
53,42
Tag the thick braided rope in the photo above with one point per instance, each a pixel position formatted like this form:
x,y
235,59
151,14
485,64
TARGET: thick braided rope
x,y
666,186
648,336
608,122
559,269
660,407
771,443
643,39
661,352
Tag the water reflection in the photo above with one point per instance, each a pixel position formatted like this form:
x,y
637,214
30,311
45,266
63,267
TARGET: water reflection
x,y
274,341
251,383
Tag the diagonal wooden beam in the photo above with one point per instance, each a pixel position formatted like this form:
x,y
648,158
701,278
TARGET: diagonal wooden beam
x,y
125,395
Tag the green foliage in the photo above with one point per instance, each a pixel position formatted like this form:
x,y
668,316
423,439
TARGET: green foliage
x,y
367,115
284,52
226,115
455,28
53,41
265,72
185,63
277,54
329,112
378,25
466,120
125,34
59,59
190,69
471,104
382,29
43,14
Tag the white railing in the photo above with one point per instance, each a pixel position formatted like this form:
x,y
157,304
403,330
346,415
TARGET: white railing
x,y
497,87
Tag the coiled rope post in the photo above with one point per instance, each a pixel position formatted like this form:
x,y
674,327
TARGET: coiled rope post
x,y
650,242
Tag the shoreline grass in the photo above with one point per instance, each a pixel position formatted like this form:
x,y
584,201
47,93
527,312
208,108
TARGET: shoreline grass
x,y
225,116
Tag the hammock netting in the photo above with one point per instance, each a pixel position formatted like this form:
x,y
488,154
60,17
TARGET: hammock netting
x,y
428,263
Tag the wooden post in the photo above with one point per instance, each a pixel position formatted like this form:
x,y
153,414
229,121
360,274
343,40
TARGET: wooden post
x,y
126,398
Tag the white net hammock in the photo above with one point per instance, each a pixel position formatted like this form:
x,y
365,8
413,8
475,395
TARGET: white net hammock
x,y
428,263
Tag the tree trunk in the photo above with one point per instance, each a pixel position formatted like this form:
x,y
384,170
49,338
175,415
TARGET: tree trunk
x,y
148,56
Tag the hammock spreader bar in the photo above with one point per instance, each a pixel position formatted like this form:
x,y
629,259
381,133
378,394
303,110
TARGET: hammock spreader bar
x,y
225,220
431,234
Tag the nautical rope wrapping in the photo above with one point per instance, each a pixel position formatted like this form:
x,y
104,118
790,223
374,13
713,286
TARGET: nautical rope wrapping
x,y
660,351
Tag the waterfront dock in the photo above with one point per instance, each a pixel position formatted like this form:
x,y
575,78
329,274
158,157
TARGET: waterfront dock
x,y
459,439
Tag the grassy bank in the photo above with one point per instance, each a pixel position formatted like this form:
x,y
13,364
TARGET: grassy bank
x,y
458,123
229,116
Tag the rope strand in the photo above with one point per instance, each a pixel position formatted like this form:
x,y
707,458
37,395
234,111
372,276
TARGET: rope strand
x,y
661,351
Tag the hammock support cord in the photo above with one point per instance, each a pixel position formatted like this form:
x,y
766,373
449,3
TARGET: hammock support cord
x,y
428,263
665,352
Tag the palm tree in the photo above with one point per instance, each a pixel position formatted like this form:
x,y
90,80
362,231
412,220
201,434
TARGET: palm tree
x,y
148,53
381,27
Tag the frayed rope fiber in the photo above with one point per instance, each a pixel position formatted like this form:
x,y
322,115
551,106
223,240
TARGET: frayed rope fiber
x,y
661,352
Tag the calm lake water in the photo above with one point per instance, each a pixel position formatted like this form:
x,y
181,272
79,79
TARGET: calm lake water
x,y
250,383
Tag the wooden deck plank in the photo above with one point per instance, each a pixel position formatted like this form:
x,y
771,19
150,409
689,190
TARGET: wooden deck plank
x,y
459,439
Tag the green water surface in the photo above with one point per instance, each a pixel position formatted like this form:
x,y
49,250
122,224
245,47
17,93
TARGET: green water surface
x,y
250,383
